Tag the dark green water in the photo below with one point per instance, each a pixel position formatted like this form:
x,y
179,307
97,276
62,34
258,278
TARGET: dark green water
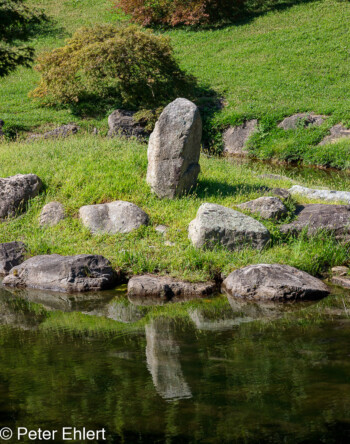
x,y
215,376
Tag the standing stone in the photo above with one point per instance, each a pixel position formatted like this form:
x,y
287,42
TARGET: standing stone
x,y
114,217
52,214
215,224
236,137
15,192
11,254
174,150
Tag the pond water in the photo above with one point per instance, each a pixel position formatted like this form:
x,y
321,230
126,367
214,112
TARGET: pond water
x,y
216,371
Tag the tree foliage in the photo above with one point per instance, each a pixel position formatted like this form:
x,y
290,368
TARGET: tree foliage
x,y
127,63
16,25
180,12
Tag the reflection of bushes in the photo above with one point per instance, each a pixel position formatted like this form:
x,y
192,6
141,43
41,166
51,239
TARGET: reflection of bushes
x,y
134,67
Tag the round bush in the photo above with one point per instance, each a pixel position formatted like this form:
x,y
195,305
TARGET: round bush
x,y
127,63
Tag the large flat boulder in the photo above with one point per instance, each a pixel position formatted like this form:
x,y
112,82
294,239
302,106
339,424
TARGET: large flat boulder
x,y
218,225
266,207
273,282
301,120
11,254
114,217
327,195
122,123
15,192
331,218
155,290
336,132
174,150
236,138
84,272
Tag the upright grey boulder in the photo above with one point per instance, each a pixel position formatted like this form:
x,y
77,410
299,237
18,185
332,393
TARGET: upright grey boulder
x,y
11,254
113,217
15,192
174,150
84,272
215,224
273,282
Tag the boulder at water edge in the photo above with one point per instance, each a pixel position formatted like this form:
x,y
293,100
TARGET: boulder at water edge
x,y
84,272
11,254
273,282
15,192
174,150
218,225
113,217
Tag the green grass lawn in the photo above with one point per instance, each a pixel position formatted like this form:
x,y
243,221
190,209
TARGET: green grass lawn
x,y
85,170
289,60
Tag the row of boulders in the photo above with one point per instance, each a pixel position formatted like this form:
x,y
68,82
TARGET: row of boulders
x,y
235,138
85,272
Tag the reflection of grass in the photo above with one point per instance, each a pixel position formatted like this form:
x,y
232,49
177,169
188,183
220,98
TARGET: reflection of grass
x,y
86,170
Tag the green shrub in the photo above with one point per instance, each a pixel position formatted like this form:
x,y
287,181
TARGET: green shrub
x,y
134,66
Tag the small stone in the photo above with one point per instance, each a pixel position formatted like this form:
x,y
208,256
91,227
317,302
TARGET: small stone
x,y
121,123
336,132
174,150
51,214
328,195
340,271
11,254
273,282
342,281
16,191
281,193
236,137
58,133
162,229
215,224
114,217
301,120
155,290
84,272
266,207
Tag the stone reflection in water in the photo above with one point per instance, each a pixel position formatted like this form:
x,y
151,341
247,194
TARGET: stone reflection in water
x,y
163,361
119,310
17,313
204,319
63,301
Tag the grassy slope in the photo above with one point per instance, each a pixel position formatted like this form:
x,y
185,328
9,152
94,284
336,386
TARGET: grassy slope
x,y
90,169
277,64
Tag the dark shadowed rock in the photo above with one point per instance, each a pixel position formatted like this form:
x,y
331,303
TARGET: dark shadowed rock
x,y
301,120
15,192
155,290
2,123
331,218
163,360
328,195
174,150
58,133
113,217
11,254
51,214
79,273
282,193
273,282
266,207
217,225
336,132
122,123
236,137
